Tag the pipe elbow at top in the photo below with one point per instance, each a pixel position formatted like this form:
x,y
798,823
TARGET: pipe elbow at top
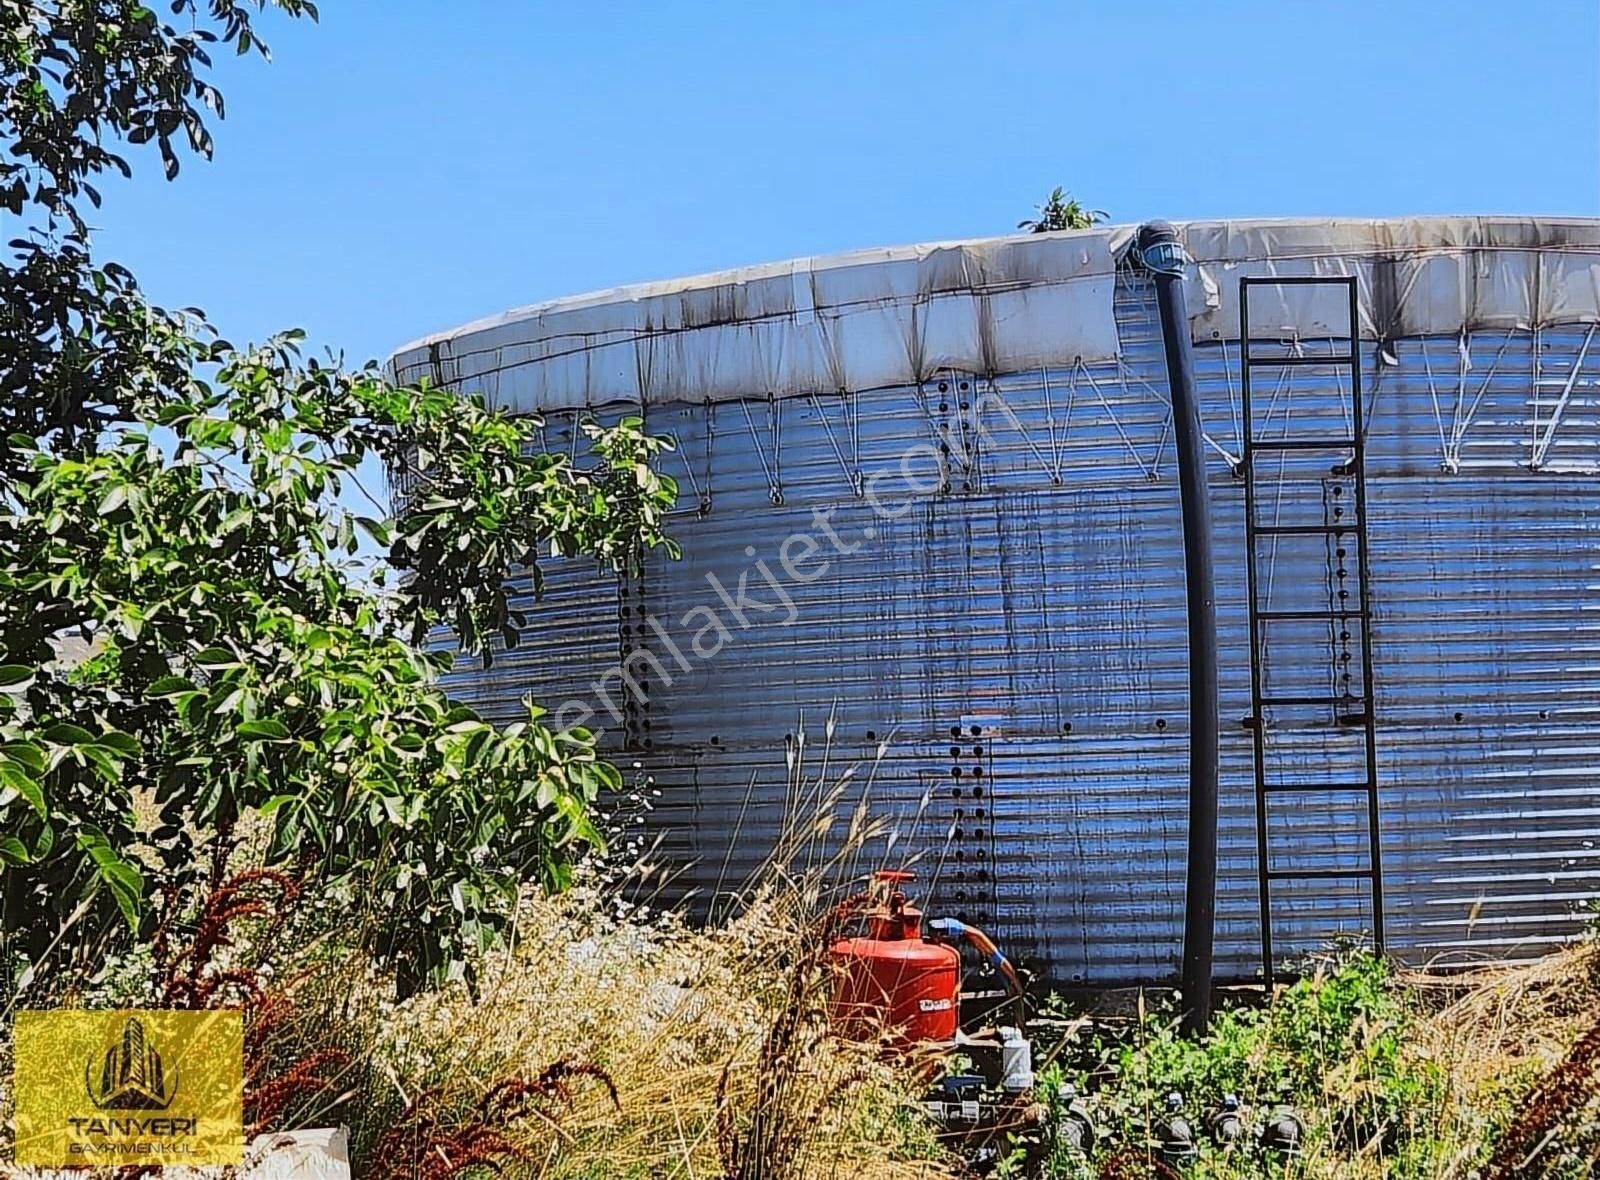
x,y
1159,248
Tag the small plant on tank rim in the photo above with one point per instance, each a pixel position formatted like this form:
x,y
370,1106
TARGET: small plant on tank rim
x,y
1061,210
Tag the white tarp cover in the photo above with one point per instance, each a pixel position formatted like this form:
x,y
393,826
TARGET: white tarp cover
x,y
877,318
1416,276
864,320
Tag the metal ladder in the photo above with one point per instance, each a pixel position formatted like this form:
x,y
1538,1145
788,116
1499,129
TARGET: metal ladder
x,y
1314,472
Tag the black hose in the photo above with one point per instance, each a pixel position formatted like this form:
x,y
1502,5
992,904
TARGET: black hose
x,y
1163,256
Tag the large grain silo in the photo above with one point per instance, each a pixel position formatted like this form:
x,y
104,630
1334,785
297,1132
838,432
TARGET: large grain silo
x,y
945,474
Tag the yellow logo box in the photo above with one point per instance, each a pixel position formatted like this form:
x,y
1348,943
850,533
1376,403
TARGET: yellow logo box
x,y
148,1087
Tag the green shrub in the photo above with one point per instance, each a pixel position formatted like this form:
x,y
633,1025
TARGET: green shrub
x,y
1336,1046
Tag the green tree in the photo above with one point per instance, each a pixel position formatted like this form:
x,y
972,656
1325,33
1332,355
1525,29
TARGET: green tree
x,y
1061,210
172,511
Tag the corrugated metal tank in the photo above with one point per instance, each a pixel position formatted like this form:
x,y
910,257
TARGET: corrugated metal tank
x,y
1016,635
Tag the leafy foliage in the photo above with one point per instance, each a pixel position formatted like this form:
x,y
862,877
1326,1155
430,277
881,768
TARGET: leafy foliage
x,y
193,626
82,73
1334,1046
1061,211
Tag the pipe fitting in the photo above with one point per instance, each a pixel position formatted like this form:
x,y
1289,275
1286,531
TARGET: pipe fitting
x,y
1159,250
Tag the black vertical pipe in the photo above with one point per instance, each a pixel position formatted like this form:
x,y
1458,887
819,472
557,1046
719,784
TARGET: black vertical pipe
x,y
1163,256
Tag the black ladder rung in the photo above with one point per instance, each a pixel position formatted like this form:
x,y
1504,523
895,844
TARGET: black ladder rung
x,y
1347,359
1309,788
1319,874
1302,530
1297,444
1296,281
1281,702
1349,720
1289,616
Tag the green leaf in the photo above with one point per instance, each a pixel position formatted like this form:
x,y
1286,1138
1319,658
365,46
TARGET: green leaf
x,y
66,734
120,742
378,530
229,703
103,760
236,519
14,852
120,877
127,887
27,754
13,779
276,802
169,686
114,499
16,676
216,657
263,730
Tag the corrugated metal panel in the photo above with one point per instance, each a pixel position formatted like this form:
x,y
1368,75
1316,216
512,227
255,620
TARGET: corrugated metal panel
x,y
573,637
1037,597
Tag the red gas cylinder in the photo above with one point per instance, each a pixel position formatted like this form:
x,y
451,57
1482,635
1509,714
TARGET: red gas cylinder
x,y
888,980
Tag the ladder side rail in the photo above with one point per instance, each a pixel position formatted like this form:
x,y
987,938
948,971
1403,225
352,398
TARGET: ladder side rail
x,y
1374,810
1257,720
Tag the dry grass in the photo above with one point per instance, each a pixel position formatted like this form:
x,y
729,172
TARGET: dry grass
x,y
1503,1035
1519,1016
679,1022
715,1038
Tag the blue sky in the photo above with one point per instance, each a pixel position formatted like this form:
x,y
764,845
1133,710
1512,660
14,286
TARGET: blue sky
x,y
408,165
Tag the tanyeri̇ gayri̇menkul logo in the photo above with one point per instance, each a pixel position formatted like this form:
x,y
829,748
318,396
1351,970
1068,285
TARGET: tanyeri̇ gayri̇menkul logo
x,y
130,1074
150,1086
